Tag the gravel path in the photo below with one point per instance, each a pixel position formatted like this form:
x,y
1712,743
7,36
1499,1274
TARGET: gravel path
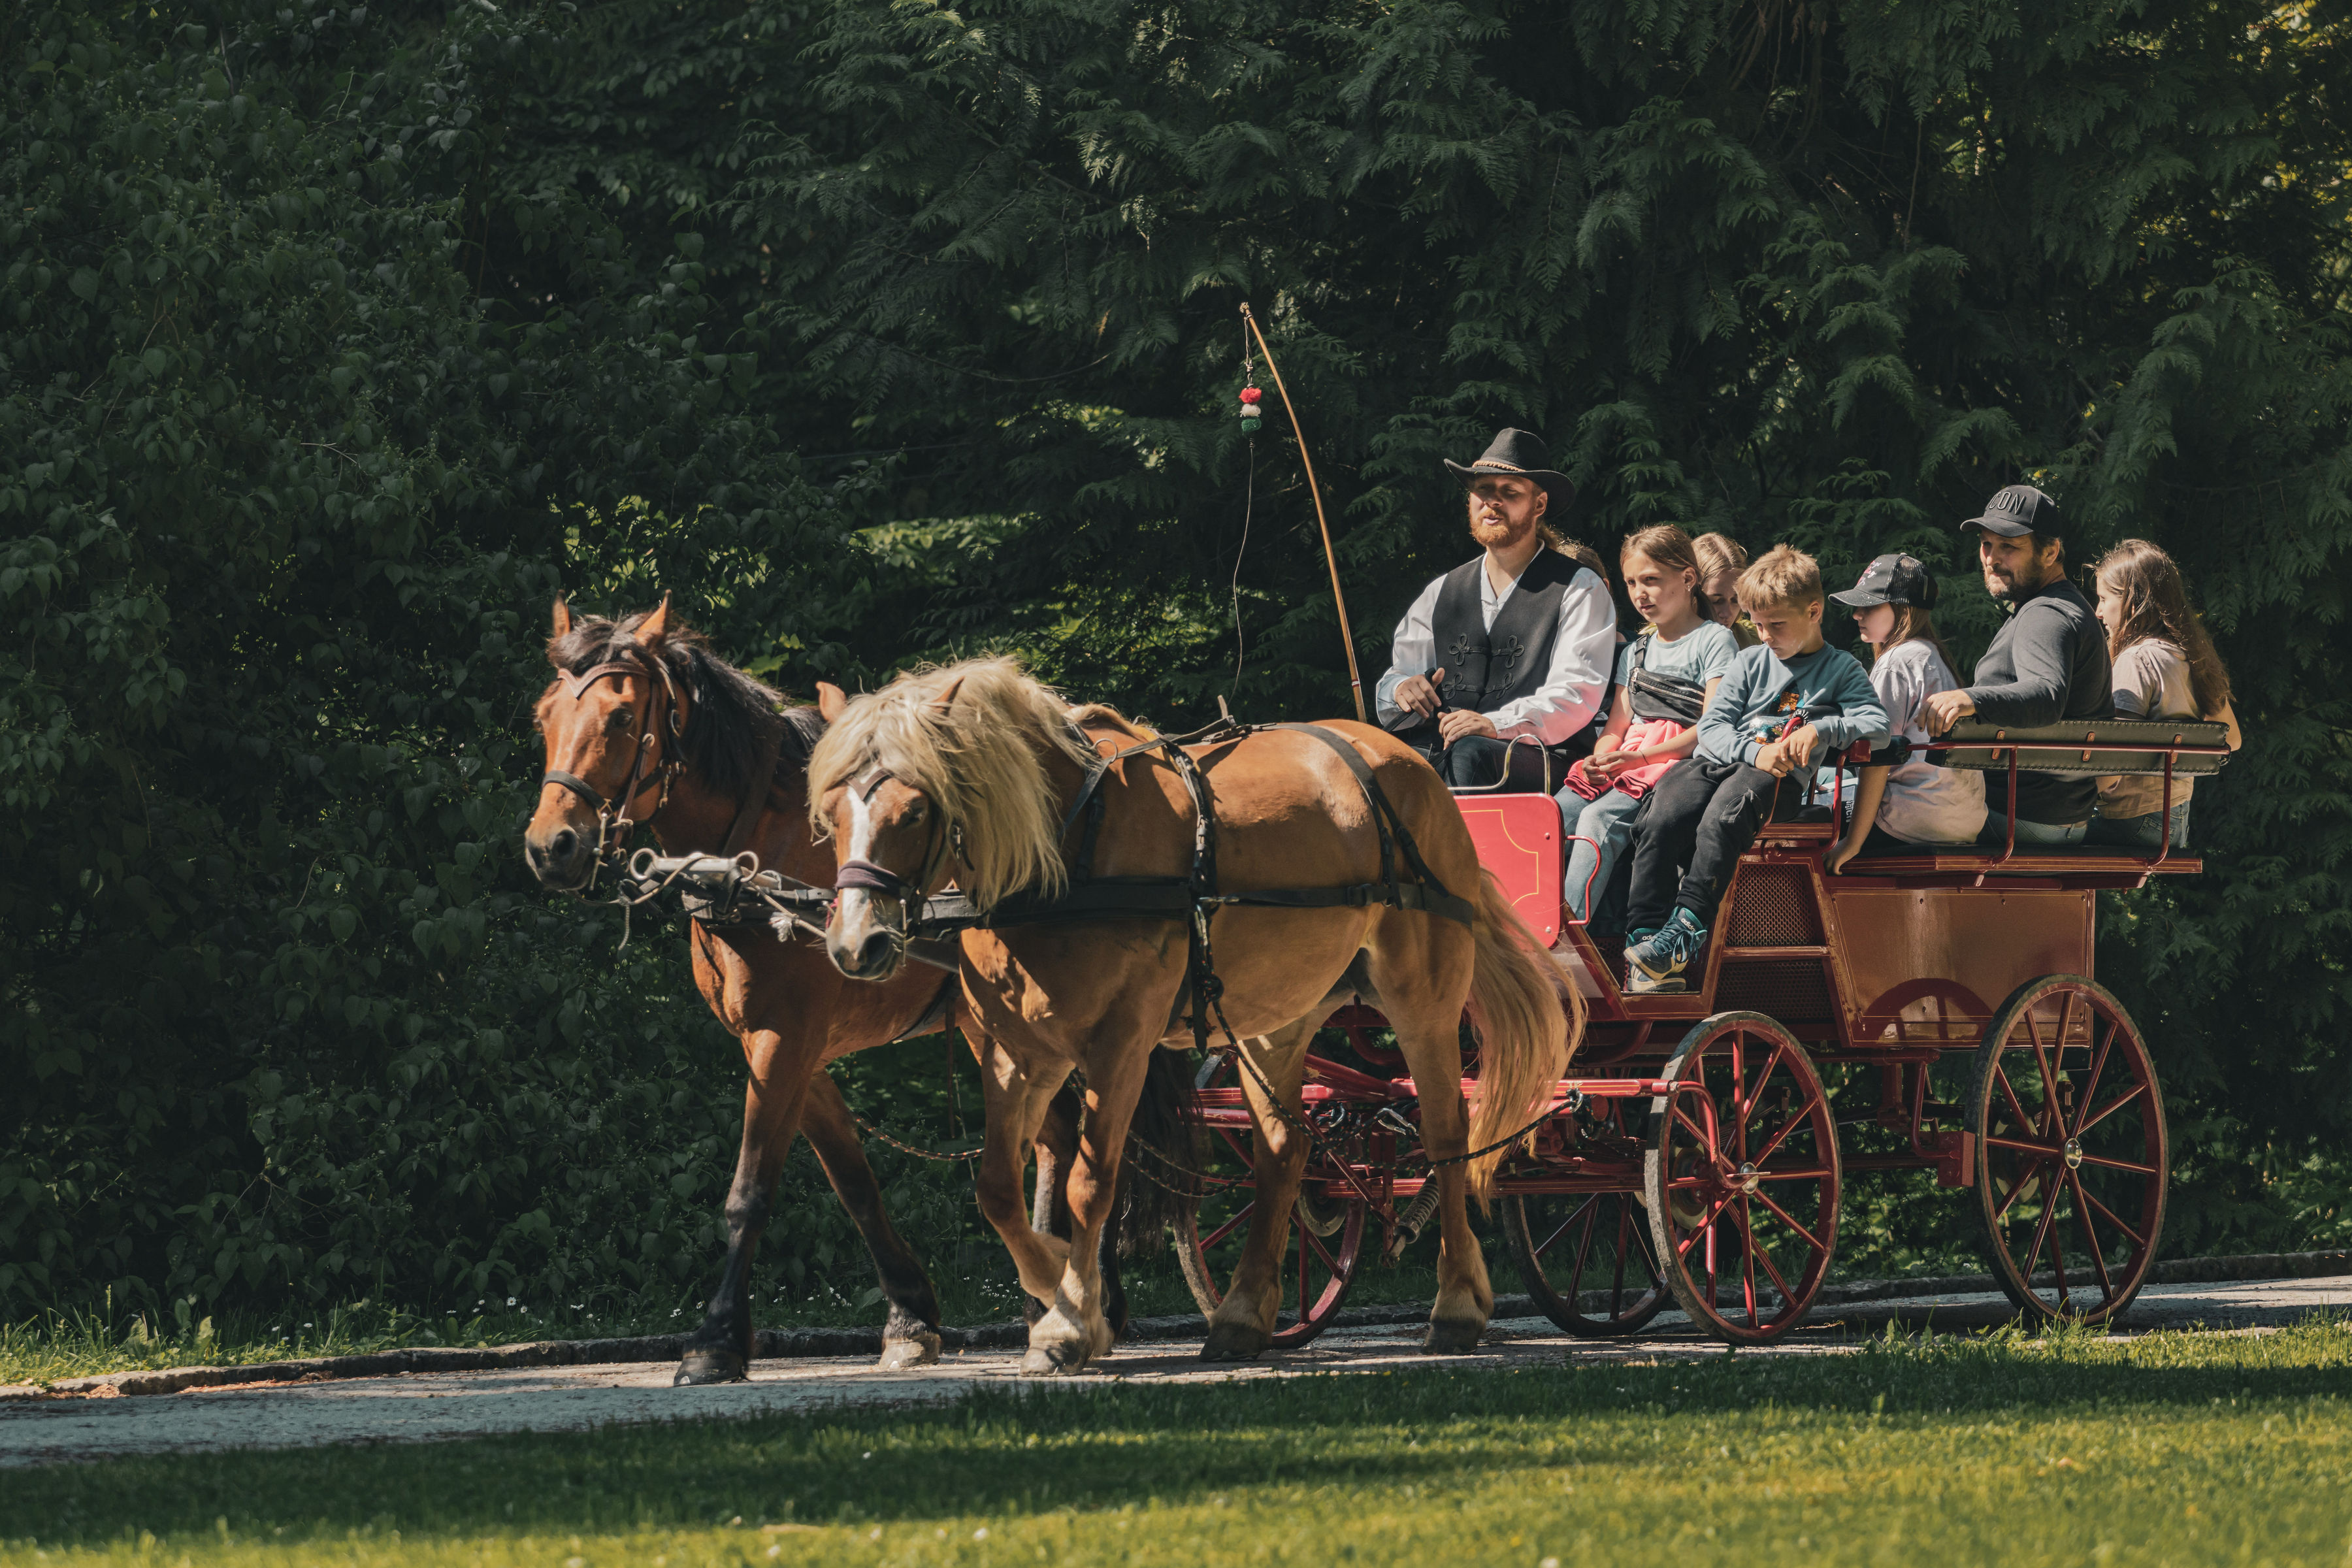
x,y
418,1407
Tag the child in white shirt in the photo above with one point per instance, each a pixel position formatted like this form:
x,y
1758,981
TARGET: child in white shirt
x,y
1913,804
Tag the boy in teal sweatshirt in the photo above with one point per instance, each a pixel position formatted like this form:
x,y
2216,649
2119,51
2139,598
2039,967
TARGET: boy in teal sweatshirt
x,y
1783,703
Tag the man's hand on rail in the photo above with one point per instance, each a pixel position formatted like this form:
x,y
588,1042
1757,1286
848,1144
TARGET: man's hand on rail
x,y
1944,710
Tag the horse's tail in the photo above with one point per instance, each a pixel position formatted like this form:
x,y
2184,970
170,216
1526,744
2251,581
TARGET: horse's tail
x,y
1163,1149
1523,1042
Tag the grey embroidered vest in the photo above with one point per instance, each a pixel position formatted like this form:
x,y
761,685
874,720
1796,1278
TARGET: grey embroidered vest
x,y
1484,666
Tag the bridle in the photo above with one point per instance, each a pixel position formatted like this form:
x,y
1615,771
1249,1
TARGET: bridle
x,y
863,874
614,824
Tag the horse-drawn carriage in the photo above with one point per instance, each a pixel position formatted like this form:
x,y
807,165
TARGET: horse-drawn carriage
x,y
1931,1013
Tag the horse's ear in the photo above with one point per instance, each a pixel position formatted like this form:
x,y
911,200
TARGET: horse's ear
x,y
947,696
655,627
562,617
830,701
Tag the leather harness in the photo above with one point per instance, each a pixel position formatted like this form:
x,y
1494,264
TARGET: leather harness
x,y
1193,898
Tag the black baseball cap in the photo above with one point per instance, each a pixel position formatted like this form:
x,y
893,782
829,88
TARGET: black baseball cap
x,y
2016,510
1891,580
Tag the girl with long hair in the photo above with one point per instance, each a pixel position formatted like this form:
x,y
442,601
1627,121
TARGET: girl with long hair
x,y
1915,803
1664,678
1721,559
2165,668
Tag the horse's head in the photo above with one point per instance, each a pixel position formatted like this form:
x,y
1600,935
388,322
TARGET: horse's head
x,y
891,846
939,776
614,718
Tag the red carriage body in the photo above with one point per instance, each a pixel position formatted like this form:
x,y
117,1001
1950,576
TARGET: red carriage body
x,y
1933,1013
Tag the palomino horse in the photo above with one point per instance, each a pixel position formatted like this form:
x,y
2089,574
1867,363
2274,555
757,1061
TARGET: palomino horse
x,y
979,774
645,722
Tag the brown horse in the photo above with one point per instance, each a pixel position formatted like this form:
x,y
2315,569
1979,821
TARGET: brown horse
x,y
644,723
973,773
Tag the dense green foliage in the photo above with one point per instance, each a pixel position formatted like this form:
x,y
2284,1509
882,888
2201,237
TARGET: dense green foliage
x,y
334,338
2164,1449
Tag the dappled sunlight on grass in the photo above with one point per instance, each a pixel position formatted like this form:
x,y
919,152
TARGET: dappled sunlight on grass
x,y
2005,1447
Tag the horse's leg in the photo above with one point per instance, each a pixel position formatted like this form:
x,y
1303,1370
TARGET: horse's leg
x,y
1410,966
1016,1106
1075,1329
1465,1298
911,1334
1243,1325
1049,1211
781,1066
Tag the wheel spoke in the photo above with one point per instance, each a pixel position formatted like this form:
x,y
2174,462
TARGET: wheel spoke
x,y
1762,1080
2057,1248
2009,1092
1226,1229
1706,1144
1617,1277
1790,1220
1309,1238
2042,1060
1764,1255
1704,1226
2109,1215
1796,1173
1772,1144
2119,1164
1570,1220
2040,1233
2018,1188
1748,1265
2098,1065
2047,1151
2091,1119
2090,1235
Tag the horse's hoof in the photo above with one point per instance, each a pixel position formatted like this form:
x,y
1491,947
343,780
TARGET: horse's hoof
x,y
1235,1342
920,1350
707,1365
1056,1360
1451,1336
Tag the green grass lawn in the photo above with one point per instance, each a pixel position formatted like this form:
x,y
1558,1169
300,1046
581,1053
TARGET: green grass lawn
x,y
2007,1449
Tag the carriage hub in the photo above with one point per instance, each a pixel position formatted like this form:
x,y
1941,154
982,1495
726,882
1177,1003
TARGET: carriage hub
x,y
1748,1179
2073,1154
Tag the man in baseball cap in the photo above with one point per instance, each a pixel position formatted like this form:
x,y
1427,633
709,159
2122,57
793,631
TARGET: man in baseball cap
x,y
2047,665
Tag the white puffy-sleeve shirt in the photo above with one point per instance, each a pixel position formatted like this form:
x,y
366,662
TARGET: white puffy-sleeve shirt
x,y
1582,649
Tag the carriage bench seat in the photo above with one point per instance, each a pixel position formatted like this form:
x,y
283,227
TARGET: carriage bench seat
x,y
2098,746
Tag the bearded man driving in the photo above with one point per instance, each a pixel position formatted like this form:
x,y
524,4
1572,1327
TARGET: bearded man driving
x,y
1499,667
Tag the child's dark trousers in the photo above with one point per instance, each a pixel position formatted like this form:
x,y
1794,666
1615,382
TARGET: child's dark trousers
x,y
1703,815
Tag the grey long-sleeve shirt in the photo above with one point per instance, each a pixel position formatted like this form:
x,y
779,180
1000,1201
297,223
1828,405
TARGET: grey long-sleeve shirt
x,y
1762,696
2047,665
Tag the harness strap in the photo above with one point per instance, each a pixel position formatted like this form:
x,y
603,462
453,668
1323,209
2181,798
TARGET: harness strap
x,y
935,1016
576,784
1430,894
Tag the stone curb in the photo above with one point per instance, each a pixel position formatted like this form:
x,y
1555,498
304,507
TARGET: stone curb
x,y
786,1344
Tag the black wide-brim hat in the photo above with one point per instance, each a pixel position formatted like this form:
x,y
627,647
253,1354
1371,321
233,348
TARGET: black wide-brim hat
x,y
1521,454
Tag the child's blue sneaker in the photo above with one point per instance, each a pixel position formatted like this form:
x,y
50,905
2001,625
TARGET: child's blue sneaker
x,y
1655,962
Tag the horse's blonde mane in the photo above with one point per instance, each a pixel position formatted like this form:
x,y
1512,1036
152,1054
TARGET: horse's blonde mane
x,y
979,759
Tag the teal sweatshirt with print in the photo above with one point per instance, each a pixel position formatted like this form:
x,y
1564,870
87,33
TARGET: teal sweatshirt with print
x,y
1762,697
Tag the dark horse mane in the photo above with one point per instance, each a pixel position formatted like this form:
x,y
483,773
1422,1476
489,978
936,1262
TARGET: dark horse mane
x,y
732,716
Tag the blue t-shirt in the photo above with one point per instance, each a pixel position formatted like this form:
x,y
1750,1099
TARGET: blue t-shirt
x,y
1700,655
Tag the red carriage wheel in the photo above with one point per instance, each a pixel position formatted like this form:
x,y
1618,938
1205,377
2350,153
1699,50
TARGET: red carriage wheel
x,y
1742,1179
1319,1261
2071,1155
1587,1259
